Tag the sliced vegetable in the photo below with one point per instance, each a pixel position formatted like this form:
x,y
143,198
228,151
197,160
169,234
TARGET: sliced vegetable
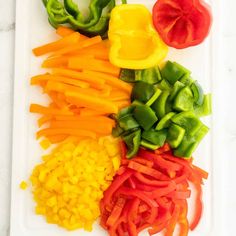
x,y
165,121
132,141
151,75
155,137
175,135
182,24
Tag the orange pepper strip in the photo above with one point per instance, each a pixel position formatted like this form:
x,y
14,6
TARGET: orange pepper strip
x,y
64,31
79,45
37,79
111,80
173,221
89,101
75,132
55,62
35,108
93,81
44,119
57,45
86,112
97,127
57,138
93,65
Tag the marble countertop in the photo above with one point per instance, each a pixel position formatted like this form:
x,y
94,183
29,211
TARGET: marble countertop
x,y
7,28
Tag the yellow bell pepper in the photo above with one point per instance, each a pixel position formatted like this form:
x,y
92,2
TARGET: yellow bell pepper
x,y
135,43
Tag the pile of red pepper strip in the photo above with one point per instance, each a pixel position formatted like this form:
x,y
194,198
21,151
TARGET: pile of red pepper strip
x,y
150,192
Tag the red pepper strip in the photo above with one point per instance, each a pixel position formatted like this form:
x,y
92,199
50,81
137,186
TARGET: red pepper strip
x,y
173,221
104,216
161,162
113,229
123,149
157,228
124,162
132,215
142,208
143,161
142,227
181,178
198,206
164,148
164,191
132,183
147,181
137,193
183,222
116,212
121,170
118,181
164,202
147,170
145,187
153,215
180,194
201,172
120,230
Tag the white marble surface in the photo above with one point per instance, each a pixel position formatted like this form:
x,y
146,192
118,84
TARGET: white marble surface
x,y
228,62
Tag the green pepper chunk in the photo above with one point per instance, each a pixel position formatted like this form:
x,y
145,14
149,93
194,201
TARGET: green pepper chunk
x,y
124,112
117,131
177,87
187,80
142,91
128,122
150,75
153,98
172,71
155,137
164,85
190,143
189,121
198,94
145,116
149,145
159,106
206,108
165,121
133,142
175,135
184,100
127,75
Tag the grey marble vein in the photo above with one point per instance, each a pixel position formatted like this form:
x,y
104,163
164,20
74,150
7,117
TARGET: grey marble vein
x,y
7,28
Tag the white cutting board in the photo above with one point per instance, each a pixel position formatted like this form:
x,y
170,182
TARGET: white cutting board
x,y
33,29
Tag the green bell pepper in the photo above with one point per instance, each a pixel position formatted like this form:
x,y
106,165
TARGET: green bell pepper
x,y
206,108
117,131
142,91
157,138
189,121
149,145
184,100
128,122
151,75
164,85
198,94
187,80
153,98
165,121
177,87
159,106
175,135
133,142
127,75
145,116
172,71
190,143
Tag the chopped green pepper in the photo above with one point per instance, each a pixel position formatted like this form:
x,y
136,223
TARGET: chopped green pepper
x,y
184,100
175,135
165,121
133,142
206,108
173,71
117,131
150,75
128,122
155,137
188,121
177,87
124,112
198,94
190,143
142,91
153,98
164,85
187,80
149,145
127,75
145,116
159,106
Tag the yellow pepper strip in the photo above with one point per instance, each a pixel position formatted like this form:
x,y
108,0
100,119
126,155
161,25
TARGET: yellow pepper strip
x,y
69,184
135,43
